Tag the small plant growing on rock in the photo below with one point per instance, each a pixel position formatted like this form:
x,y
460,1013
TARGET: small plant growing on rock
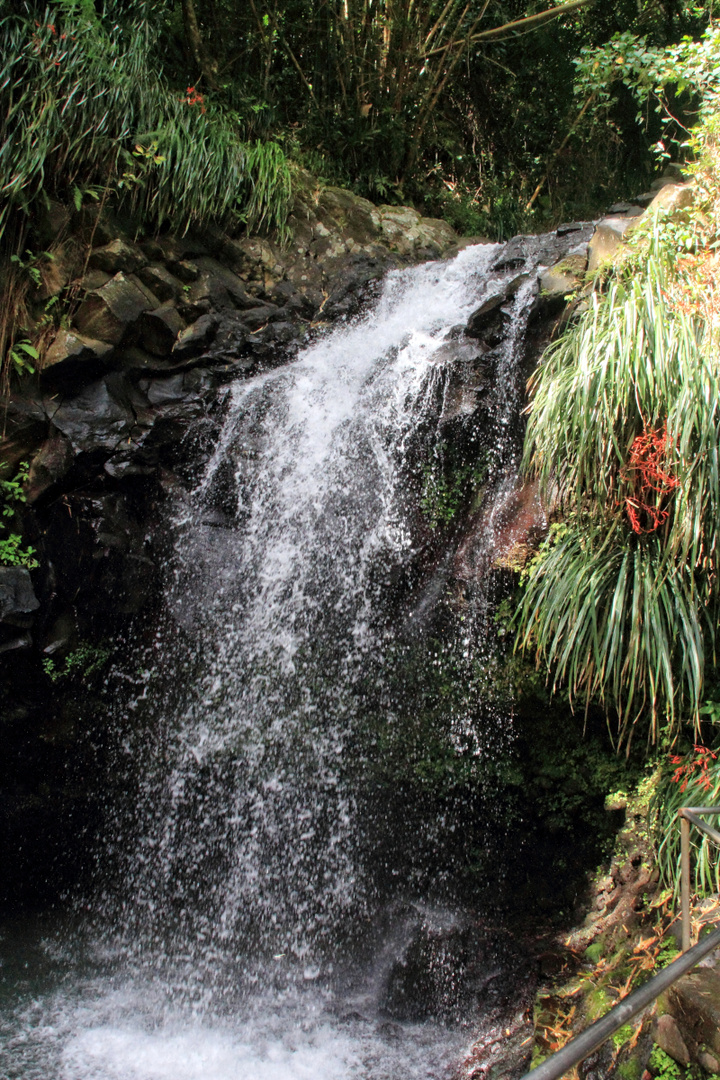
x,y
12,552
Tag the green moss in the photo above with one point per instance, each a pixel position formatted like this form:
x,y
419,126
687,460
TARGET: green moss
x,y
597,1003
622,1035
594,952
630,1069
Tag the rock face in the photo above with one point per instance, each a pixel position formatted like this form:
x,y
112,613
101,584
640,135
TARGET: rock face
x,y
126,403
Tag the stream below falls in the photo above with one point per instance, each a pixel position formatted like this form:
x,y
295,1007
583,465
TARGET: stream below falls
x,y
270,904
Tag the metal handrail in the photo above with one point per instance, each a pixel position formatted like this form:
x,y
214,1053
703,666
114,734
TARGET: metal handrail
x,y
587,1041
583,1044
689,816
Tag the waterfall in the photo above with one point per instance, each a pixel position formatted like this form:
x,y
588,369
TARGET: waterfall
x,y
246,938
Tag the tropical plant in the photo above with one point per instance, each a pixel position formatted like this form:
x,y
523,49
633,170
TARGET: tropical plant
x,y
624,437
691,779
12,552
85,106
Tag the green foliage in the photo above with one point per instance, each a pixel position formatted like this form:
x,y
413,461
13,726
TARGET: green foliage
x,y
664,1068
447,487
620,609
622,1035
80,664
29,265
88,114
651,73
12,552
690,779
21,353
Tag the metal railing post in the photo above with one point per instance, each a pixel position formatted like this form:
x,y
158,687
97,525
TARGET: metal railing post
x,y
685,880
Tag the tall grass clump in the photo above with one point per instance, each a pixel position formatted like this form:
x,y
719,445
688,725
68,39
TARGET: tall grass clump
x,y
84,110
623,435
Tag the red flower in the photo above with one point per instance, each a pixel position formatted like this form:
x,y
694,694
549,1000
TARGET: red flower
x,y
650,482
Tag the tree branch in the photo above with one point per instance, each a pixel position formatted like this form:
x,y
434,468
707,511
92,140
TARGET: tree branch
x,y
530,22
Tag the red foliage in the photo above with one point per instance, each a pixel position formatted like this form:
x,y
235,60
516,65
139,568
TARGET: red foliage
x,y
194,98
697,769
650,482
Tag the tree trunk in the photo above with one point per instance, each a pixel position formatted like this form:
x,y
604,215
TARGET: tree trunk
x,y
206,65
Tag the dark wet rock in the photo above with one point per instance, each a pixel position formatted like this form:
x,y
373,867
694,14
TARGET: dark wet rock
x,y
161,282
505,539
261,316
355,282
20,641
117,256
513,255
545,250
218,285
94,419
448,968
486,322
17,596
573,227
185,270
469,381
285,294
133,358
196,338
73,353
60,635
108,313
51,463
225,338
25,428
158,330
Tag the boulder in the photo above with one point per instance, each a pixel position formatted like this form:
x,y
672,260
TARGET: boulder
x,y
286,294
158,330
694,1002
668,1038
341,212
563,278
50,464
258,317
94,279
93,419
109,312
672,198
193,341
608,237
161,282
17,596
117,256
73,351
405,231
218,285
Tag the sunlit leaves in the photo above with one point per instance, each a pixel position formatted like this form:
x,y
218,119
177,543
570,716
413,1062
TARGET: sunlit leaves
x,y
626,619
85,111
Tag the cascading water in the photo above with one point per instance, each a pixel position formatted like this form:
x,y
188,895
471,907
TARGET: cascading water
x,y
245,939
